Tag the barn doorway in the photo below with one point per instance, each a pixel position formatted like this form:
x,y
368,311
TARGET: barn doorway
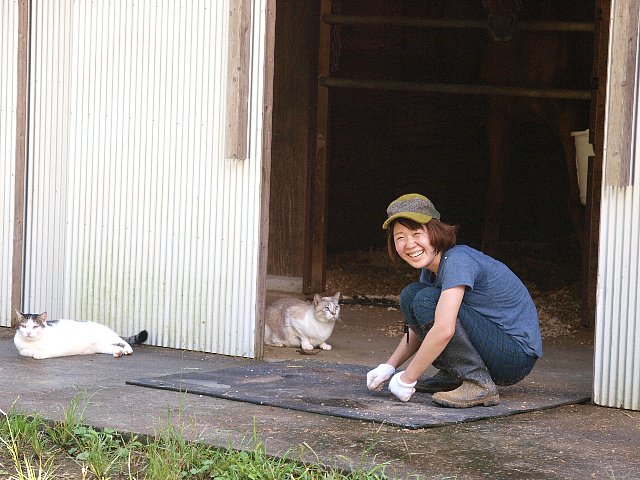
x,y
388,137
378,99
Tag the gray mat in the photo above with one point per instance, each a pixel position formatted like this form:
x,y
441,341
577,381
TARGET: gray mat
x,y
340,390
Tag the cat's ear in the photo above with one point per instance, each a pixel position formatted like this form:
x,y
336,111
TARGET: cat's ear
x,y
336,297
43,316
20,315
317,298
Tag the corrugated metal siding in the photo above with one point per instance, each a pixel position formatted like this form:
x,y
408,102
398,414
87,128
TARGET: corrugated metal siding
x,y
8,99
617,346
617,343
135,219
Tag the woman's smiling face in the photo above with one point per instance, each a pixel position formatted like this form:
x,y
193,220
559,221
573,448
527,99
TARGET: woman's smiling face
x,y
414,247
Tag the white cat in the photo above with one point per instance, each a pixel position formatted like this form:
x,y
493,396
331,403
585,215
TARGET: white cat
x,y
292,322
40,338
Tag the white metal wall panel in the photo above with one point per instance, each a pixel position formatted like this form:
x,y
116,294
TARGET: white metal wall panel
x,y
617,343
617,346
8,99
135,218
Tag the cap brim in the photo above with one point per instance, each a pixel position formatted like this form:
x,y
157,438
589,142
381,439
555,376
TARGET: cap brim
x,y
416,217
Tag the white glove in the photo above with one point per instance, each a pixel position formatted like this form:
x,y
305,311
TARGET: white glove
x,y
402,390
379,375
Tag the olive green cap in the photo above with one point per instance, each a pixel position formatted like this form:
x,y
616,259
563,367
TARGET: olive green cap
x,y
413,206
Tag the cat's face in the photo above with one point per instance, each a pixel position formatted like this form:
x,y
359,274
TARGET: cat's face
x,y
327,308
31,324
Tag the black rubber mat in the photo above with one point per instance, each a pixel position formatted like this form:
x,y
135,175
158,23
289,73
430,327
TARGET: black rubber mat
x,y
340,390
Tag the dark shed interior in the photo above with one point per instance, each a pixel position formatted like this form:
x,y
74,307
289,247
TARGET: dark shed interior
x,y
407,110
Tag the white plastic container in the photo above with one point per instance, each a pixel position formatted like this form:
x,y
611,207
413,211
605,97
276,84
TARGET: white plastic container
x,y
584,150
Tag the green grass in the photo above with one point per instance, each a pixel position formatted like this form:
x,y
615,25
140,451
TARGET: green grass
x,y
34,449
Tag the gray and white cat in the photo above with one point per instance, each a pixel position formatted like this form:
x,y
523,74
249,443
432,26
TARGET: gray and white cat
x,y
40,338
292,322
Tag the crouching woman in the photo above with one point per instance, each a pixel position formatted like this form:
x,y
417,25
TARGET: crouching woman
x,y
469,315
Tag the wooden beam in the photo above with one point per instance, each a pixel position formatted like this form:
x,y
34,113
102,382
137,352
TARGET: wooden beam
x,y
22,138
238,74
455,89
451,23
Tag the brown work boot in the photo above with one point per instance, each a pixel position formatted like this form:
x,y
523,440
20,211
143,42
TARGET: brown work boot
x,y
442,381
469,394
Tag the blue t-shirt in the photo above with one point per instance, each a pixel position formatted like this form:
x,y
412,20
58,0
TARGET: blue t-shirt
x,y
492,290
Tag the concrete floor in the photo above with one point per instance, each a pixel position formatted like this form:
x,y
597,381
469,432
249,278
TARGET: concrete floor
x,y
571,442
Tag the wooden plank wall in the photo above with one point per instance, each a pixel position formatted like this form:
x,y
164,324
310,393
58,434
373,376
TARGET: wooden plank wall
x,y
385,143
293,140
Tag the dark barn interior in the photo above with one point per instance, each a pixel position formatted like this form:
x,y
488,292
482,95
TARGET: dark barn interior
x,y
404,91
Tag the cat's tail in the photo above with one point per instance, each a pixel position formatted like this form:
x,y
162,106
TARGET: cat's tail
x,y
137,339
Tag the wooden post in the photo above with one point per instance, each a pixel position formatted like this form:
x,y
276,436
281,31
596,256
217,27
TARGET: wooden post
x,y
623,90
22,138
315,253
238,74
594,174
267,130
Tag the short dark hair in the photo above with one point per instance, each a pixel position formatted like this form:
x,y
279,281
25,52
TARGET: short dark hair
x,y
441,235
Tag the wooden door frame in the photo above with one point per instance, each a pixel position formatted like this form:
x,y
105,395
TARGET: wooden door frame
x,y
594,173
267,133
315,228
